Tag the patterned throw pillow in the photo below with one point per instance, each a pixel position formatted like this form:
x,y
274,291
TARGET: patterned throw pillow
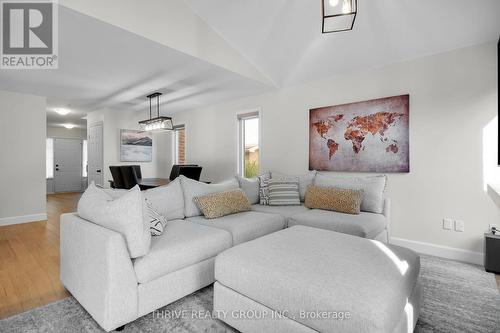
x,y
264,188
284,192
335,199
156,221
223,203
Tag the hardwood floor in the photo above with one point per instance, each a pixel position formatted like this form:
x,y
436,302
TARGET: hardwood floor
x,y
29,259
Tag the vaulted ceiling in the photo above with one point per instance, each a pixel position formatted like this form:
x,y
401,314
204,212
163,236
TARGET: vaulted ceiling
x,y
283,39
198,52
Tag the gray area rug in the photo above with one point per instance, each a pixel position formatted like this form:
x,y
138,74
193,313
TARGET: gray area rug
x,y
458,297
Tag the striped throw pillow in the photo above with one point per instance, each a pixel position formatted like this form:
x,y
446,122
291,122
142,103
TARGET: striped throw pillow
x,y
156,221
284,192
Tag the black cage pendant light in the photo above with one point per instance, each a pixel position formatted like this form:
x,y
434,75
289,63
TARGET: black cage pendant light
x,y
159,123
338,15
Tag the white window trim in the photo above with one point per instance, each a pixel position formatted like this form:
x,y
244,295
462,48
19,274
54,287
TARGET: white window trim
x,y
255,113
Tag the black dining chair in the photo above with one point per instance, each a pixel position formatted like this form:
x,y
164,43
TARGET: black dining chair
x,y
174,173
189,171
116,173
129,175
138,171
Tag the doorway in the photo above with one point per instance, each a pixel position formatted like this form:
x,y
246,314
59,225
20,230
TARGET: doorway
x,y
67,165
95,169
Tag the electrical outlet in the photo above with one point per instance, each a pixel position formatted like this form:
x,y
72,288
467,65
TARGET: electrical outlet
x,y
459,225
447,224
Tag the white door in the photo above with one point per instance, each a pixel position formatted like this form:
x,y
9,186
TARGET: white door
x,y
67,165
94,144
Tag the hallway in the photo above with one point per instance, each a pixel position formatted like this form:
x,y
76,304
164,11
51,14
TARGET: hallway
x,y
29,264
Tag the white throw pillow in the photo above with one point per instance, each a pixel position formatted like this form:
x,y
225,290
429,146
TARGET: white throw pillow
x,y
114,193
373,189
126,215
193,188
167,200
304,181
251,188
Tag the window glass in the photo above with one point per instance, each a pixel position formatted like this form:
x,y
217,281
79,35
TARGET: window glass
x,y
49,157
249,127
179,145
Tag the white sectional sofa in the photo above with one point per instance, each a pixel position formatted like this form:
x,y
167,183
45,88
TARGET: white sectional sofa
x,y
115,289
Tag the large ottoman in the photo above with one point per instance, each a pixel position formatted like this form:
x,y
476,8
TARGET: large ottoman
x,y
305,279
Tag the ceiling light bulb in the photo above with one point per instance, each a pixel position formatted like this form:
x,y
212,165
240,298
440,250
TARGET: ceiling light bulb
x,y
346,7
62,111
334,3
69,126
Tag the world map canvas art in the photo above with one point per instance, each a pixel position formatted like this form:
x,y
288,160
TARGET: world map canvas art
x,y
369,136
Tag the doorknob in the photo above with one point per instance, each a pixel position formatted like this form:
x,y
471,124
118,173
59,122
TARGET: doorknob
x,y
57,165
57,169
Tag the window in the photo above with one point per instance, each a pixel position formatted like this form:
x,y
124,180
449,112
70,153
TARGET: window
x,y
179,144
249,152
84,159
49,158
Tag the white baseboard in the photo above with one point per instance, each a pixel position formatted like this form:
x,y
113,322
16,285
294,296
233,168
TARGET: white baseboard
x,y
22,219
441,251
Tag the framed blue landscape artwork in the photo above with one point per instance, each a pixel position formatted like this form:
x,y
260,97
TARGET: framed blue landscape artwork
x,y
136,146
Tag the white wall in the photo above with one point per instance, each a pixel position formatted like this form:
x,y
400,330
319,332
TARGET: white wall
x,y
22,162
453,97
113,121
65,133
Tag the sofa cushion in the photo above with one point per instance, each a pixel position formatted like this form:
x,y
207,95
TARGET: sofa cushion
x,y
168,200
193,188
126,215
251,188
220,204
373,189
244,226
285,211
367,225
307,269
182,244
304,181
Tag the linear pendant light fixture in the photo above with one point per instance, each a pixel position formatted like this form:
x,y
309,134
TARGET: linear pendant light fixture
x,y
159,123
338,15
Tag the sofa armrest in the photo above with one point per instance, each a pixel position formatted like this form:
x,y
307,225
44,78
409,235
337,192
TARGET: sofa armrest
x,y
387,213
96,268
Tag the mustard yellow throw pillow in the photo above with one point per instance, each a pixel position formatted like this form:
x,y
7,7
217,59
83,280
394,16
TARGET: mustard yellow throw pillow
x,y
223,203
335,199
